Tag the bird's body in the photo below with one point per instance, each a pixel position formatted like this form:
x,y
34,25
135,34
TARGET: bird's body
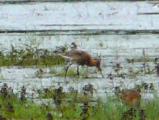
x,y
81,58
130,97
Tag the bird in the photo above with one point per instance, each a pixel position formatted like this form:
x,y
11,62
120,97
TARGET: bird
x,y
81,58
130,97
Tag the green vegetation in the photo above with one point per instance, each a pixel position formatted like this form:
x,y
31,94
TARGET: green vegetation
x,y
72,72
152,111
69,106
29,57
72,104
14,108
141,59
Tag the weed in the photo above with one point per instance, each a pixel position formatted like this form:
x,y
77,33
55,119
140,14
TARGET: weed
x,y
72,106
30,56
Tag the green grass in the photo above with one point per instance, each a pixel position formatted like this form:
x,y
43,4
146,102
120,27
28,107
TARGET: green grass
x,y
111,109
72,72
22,110
152,109
30,58
142,59
70,106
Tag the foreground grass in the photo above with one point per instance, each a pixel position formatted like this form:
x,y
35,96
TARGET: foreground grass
x,y
111,110
13,108
69,106
152,109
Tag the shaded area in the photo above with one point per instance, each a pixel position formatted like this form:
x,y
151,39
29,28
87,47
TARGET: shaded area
x,y
30,1
84,32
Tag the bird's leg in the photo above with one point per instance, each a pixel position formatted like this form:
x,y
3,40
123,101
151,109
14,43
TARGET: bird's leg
x,y
86,71
102,74
78,70
66,69
100,70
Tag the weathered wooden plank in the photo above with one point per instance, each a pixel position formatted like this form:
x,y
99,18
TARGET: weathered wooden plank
x,y
82,32
28,1
106,45
79,16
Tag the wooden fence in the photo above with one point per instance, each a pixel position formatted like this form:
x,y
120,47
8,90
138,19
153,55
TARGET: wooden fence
x,y
106,28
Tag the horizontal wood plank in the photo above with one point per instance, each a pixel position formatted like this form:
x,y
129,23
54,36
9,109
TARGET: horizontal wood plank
x,y
45,16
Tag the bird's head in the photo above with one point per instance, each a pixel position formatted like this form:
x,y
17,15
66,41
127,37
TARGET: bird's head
x,y
98,64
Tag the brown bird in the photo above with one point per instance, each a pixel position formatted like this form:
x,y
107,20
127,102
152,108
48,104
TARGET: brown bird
x,y
130,97
81,58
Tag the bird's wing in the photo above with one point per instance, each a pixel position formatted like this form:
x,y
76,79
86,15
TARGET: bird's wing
x,y
75,54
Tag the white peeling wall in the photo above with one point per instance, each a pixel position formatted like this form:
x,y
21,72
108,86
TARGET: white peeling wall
x,y
106,45
86,16
79,15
